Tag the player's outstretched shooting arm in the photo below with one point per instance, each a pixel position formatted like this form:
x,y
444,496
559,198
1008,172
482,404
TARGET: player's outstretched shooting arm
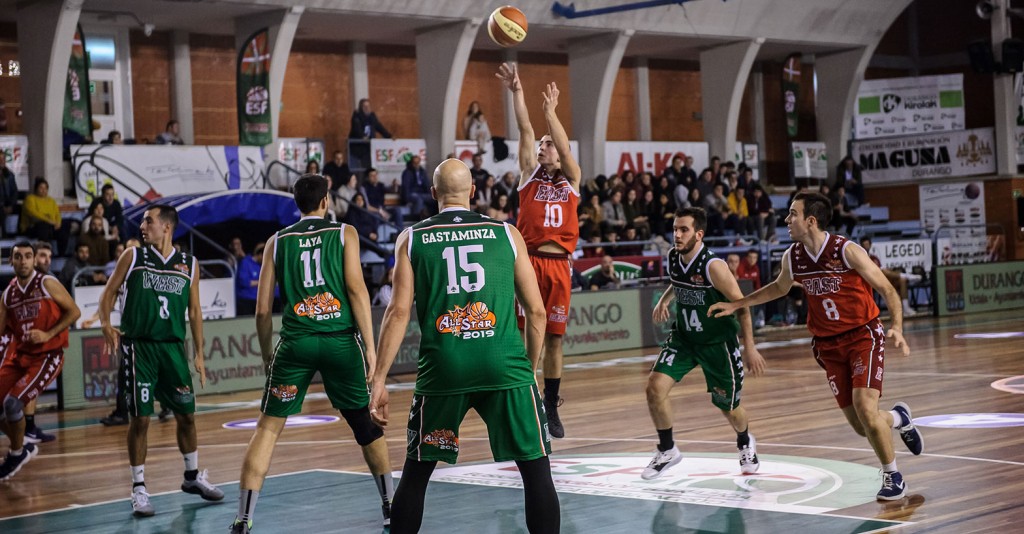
x,y
359,298
265,303
392,329
195,323
570,168
508,73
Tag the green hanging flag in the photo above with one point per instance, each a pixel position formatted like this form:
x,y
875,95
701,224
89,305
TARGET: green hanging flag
x,y
254,127
791,92
77,110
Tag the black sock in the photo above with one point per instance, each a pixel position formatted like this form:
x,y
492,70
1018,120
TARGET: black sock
x,y
543,515
742,439
407,506
191,475
665,441
30,422
137,484
551,388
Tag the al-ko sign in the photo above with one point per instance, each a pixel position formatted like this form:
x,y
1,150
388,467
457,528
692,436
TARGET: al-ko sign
x,y
942,155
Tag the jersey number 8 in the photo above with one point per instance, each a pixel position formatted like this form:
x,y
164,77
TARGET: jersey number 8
x,y
831,311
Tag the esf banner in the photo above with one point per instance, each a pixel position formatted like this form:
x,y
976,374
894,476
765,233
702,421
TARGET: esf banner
x,y
652,157
155,171
904,254
907,106
390,156
980,287
810,160
943,155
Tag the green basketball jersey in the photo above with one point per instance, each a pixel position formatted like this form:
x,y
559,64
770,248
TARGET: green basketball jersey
x,y
309,260
694,295
464,270
156,293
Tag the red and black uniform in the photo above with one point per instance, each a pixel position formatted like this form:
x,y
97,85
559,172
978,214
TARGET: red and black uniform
x,y
547,213
28,368
849,340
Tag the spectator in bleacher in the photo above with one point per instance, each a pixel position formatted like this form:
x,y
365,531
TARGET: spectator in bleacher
x,y
629,181
663,185
79,261
40,216
484,194
500,209
715,168
762,214
730,181
606,277
646,180
416,189
312,167
661,215
749,268
97,241
896,278
171,135
739,217
474,127
365,124
8,187
717,207
383,295
706,184
679,172
508,186
614,214
596,250
247,279
635,215
113,212
746,179
374,193
631,236
113,138
591,216
842,216
235,251
110,234
108,268
733,261
478,171
348,191
337,169
848,174
361,219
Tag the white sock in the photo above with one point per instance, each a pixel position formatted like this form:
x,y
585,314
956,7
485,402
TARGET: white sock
x,y
17,452
138,472
897,419
890,467
192,461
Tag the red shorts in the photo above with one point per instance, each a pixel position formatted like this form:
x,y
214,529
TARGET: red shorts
x,y
24,376
554,276
854,359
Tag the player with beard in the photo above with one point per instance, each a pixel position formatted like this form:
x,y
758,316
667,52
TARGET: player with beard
x,y
700,278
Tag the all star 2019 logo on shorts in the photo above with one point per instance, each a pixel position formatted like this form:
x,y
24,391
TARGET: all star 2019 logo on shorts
x,y
444,439
474,320
284,393
319,307
183,394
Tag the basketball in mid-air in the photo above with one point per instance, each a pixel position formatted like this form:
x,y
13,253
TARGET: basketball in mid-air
x,y
507,26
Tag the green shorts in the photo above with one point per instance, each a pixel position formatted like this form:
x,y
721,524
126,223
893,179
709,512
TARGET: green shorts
x,y
157,369
721,363
516,424
340,361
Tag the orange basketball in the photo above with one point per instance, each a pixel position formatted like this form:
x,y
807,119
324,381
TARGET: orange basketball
x,y
478,310
507,26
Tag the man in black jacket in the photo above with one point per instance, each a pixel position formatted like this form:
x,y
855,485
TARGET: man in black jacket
x,y
365,124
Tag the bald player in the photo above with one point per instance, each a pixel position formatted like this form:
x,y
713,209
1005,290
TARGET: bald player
x,y
463,269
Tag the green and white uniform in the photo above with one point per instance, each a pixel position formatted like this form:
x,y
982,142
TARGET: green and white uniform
x,y
697,339
471,352
318,331
154,305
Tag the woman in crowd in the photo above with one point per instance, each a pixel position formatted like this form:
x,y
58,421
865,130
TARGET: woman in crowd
x,y
635,215
40,215
500,210
474,127
361,219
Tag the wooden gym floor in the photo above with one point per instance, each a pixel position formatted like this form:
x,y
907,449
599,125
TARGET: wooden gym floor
x,y
816,474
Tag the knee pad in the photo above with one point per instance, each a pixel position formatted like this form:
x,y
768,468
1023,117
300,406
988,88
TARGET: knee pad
x,y
365,431
14,410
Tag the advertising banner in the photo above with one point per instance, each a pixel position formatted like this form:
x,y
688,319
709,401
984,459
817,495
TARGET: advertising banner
x,y
810,160
602,321
253,91
651,156
217,296
464,150
627,267
155,171
980,287
15,147
77,112
942,155
390,156
959,209
791,93
907,106
904,254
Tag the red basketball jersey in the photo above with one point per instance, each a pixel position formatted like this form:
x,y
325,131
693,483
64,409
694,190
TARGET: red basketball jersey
x,y
839,299
32,307
547,211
